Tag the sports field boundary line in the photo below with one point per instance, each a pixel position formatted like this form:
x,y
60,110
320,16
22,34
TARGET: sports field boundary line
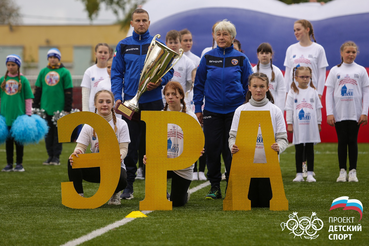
x,y
103,230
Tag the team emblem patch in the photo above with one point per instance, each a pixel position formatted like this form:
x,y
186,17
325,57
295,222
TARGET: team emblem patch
x,y
11,87
52,78
234,62
338,76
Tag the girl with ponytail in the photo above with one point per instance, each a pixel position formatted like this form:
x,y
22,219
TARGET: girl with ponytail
x,y
306,53
181,179
259,98
304,117
104,106
94,75
347,102
276,81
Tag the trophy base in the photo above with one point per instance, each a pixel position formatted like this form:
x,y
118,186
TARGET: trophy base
x,y
125,111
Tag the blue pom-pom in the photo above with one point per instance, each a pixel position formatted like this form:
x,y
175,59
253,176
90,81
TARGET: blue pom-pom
x,y
42,127
24,130
3,130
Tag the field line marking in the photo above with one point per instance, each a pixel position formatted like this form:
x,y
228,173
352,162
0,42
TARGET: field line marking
x,y
101,231
199,187
118,223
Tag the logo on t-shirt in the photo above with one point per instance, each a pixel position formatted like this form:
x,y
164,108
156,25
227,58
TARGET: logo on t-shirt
x,y
52,78
347,80
303,115
177,74
304,104
11,87
234,62
345,92
96,83
301,59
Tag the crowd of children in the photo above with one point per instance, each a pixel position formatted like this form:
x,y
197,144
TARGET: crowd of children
x,y
298,92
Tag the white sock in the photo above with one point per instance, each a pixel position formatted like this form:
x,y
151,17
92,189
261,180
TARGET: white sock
x,y
310,173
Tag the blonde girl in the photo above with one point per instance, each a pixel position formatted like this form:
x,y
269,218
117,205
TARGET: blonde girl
x,y
306,53
304,118
347,107
104,106
94,75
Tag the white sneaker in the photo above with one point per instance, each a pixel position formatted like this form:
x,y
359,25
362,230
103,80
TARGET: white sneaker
x,y
343,176
202,176
304,169
115,199
352,176
298,178
140,174
194,176
310,178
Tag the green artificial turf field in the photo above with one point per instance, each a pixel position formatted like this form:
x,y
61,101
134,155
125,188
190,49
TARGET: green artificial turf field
x,y
31,212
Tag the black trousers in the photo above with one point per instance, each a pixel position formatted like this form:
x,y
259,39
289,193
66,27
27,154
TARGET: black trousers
x,y
304,152
53,147
137,133
216,131
179,189
77,175
347,132
19,149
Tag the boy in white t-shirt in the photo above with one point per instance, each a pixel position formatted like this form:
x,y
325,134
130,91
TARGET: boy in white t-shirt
x,y
183,68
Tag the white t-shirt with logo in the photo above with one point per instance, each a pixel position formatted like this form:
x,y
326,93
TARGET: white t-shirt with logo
x,y
196,61
175,146
312,56
276,87
91,80
86,135
348,82
304,107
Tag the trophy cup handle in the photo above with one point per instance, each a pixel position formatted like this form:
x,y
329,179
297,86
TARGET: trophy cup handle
x,y
174,63
157,36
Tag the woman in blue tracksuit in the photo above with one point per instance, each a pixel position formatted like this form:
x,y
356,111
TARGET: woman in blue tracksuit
x,y
222,79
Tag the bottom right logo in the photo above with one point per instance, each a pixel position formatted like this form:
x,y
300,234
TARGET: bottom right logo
x,y
306,227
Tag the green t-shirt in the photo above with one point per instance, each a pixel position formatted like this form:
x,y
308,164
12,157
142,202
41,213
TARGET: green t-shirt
x,y
53,83
13,103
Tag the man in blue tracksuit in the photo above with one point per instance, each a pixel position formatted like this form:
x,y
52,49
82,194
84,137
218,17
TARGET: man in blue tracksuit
x,y
127,66
222,78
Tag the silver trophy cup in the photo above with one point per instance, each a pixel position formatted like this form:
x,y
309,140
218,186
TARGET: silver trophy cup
x,y
159,60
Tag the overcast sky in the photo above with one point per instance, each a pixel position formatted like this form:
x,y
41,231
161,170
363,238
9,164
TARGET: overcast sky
x,y
53,12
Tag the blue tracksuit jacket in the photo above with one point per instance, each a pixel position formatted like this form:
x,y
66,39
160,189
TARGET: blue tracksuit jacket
x,y
127,65
222,78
